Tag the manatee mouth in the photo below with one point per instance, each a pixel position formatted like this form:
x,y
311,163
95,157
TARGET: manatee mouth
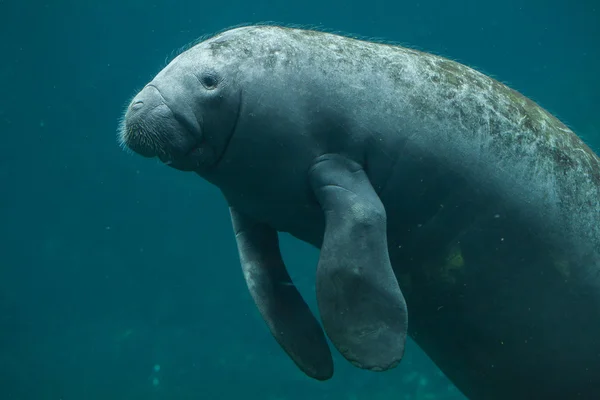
x,y
141,139
150,141
173,145
151,128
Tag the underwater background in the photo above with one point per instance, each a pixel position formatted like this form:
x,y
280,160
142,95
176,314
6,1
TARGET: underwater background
x,y
119,277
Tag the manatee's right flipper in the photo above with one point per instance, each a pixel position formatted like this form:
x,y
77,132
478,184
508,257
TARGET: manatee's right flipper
x,y
288,316
361,304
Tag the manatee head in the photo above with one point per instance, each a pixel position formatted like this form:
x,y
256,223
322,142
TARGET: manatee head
x,y
187,114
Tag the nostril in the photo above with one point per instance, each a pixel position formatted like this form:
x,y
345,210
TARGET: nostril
x,y
136,105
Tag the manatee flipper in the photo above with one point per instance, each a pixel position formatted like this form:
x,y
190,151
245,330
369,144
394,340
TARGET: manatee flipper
x,y
361,305
280,303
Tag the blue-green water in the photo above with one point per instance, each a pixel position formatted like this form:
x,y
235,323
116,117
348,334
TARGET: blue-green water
x,y
119,278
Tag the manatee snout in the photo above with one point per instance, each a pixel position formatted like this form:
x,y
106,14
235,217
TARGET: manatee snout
x,y
151,128
138,131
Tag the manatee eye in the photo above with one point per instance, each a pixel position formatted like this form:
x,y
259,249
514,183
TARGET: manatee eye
x,y
209,81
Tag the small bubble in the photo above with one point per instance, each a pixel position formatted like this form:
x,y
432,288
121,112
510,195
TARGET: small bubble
x,y
156,367
155,382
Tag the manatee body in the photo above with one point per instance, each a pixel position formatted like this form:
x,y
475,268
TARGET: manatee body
x,y
446,205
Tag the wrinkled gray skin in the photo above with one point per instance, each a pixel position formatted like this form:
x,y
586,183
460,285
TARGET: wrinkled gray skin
x,y
486,207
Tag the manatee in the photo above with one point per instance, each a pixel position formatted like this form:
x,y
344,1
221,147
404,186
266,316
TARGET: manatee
x,y
427,186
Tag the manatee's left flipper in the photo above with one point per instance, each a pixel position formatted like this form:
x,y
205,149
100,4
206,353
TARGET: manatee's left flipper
x,y
360,302
280,303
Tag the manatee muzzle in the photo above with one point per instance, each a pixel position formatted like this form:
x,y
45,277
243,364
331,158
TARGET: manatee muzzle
x,y
151,129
